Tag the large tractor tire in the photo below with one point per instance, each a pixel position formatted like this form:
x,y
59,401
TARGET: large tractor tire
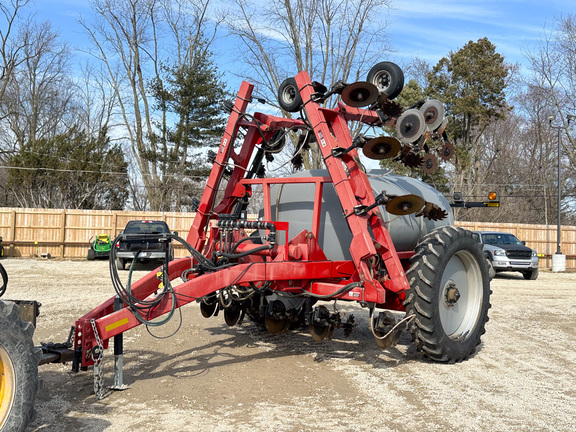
x,y
18,369
449,294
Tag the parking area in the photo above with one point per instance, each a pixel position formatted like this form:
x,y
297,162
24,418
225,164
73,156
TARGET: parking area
x,y
212,377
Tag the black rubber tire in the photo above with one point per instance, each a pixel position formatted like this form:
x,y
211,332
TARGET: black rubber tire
x,y
530,274
387,77
491,271
448,258
289,97
17,354
120,264
91,255
4,277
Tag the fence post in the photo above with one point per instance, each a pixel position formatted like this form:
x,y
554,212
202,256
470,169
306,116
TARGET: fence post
x,y
62,233
114,224
12,251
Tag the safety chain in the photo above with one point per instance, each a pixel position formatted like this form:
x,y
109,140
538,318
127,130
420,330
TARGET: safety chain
x,y
97,356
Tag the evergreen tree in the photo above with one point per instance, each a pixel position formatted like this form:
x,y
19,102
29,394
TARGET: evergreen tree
x,y
470,83
68,171
189,94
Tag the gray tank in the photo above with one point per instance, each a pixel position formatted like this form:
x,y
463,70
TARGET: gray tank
x,y
293,203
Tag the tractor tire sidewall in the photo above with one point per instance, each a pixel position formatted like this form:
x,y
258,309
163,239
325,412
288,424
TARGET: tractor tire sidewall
x,y
16,338
287,86
427,329
4,276
396,78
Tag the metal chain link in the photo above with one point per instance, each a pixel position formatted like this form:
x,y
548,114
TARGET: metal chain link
x,y
97,356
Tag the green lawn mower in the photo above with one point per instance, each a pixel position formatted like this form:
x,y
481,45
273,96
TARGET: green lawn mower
x,y
99,247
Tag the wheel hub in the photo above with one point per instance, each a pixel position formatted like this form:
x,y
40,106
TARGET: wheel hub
x,y
451,294
289,95
383,80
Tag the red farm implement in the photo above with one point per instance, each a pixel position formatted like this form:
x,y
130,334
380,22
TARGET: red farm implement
x,y
278,278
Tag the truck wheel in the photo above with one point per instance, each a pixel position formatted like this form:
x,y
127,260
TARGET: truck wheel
x,y
491,271
91,255
120,263
449,294
388,77
289,97
530,274
18,369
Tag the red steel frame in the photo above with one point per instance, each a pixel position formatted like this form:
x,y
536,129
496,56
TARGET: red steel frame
x,y
297,264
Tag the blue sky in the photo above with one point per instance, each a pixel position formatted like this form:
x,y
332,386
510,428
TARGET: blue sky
x,y
425,28
430,29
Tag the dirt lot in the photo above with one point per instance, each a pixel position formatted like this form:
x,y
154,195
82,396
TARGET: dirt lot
x,y
212,377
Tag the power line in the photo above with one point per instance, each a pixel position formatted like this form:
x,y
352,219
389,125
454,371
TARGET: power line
x,y
88,171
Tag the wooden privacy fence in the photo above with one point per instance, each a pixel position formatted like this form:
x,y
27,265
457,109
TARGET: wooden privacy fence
x,y
541,238
66,233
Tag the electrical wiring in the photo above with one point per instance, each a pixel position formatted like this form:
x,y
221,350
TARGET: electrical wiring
x,y
338,292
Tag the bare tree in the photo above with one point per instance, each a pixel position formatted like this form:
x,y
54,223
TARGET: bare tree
x,y
134,39
331,39
553,65
38,102
13,40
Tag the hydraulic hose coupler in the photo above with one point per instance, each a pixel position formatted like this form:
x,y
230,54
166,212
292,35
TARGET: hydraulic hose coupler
x,y
244,224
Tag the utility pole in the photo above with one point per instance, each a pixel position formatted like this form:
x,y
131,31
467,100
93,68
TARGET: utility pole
x,y
559,260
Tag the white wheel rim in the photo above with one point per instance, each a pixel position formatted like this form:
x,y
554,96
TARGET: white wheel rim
x,y
289,95
460,316
382,80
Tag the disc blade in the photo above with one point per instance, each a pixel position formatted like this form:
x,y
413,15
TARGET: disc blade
x,y
207,309
433,112
410,126
232,315
381,148
275,325
360,94
384,342
442,127
429,164
447,151
319,332
405,205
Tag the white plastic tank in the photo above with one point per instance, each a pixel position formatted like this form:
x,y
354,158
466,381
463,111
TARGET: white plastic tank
x,y
293,203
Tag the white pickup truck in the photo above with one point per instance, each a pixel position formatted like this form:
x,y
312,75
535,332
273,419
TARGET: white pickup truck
x,y
504,252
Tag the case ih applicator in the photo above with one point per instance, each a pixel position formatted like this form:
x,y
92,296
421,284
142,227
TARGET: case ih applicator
x,y
395,251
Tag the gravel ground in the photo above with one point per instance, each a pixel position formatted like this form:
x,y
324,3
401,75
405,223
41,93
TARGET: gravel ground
x,y
212,377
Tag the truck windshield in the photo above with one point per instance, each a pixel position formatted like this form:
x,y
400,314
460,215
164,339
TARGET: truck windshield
x,y
145,228
495,239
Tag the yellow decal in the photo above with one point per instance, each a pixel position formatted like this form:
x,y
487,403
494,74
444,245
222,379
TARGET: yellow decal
x,y
117,324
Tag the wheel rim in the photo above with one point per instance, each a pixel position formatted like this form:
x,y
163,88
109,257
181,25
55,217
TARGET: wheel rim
x,y
461,295
288,95
382,80
7,385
